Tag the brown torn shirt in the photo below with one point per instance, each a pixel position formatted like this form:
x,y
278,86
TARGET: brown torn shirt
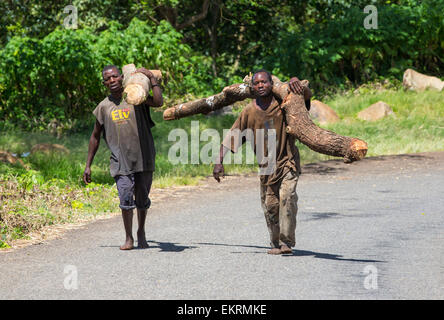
x,y
260,121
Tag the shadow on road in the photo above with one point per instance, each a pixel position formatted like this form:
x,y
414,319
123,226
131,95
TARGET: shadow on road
x,y
169,246
398,157
295,253
320,255
323,168
336,166
163,246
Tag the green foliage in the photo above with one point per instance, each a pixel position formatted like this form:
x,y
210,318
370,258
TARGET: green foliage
x,y
340,50
161,48
49,79
3,244
29,18
58,78
50,76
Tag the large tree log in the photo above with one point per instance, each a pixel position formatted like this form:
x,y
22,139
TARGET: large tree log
x,y
228,96
320,140
137,85
299,123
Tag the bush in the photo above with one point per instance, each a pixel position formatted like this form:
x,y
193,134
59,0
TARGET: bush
x,y
44,83
340,50
58,78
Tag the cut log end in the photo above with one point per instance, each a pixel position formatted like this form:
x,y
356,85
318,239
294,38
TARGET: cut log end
x,y
169,114
136,84
135,94
357,151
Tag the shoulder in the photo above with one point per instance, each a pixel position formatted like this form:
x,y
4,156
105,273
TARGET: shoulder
x,y
249,108
100,111
105,102
244,118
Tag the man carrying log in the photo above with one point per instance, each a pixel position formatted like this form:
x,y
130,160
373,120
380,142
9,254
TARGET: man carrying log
x,y
127,132
272,98
279,179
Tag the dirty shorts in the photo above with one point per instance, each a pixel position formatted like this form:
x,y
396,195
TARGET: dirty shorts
x,y
134,190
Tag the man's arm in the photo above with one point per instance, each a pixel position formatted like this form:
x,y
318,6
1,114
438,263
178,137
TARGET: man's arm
x,y
156,100
218,171
231,142
93,146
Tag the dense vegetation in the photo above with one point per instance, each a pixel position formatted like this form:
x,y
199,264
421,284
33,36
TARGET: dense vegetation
x,y
50,75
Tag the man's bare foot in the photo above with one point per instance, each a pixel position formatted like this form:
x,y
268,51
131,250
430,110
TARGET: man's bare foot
x,y
285,249
128,245
274,251
141,240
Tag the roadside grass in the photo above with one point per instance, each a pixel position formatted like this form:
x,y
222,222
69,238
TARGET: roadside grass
x,y
52,192
418,124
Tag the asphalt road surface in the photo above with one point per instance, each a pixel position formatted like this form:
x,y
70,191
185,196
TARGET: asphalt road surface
x,y
368,230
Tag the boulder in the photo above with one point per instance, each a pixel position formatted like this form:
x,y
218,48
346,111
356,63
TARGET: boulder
x,y
413,80
323,113
376,111
49,148
8,157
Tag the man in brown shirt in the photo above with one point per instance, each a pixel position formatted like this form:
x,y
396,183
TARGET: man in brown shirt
x,y
127,132
277,156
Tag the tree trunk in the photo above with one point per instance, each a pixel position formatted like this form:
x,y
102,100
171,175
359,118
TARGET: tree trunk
x,y
137,85
299,123
228,96
320,140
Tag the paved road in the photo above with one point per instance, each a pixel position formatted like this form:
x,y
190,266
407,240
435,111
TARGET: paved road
x,y
369,230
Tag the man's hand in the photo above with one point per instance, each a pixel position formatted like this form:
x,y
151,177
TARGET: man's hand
x,y
87,175
149,74
296,86
218,172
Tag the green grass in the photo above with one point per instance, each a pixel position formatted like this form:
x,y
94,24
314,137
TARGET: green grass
x,y
418,125
52,191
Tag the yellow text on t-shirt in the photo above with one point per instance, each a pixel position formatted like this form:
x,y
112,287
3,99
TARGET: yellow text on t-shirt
x,y
118,115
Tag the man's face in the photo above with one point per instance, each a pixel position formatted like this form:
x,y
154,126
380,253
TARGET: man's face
x,y
112,79
262,85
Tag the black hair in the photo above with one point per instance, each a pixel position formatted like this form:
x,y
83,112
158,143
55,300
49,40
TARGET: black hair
x,y
262,71
110,66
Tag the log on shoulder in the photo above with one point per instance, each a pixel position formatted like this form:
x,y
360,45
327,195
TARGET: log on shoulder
x,y
299,123
229,95
318,139
137,85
